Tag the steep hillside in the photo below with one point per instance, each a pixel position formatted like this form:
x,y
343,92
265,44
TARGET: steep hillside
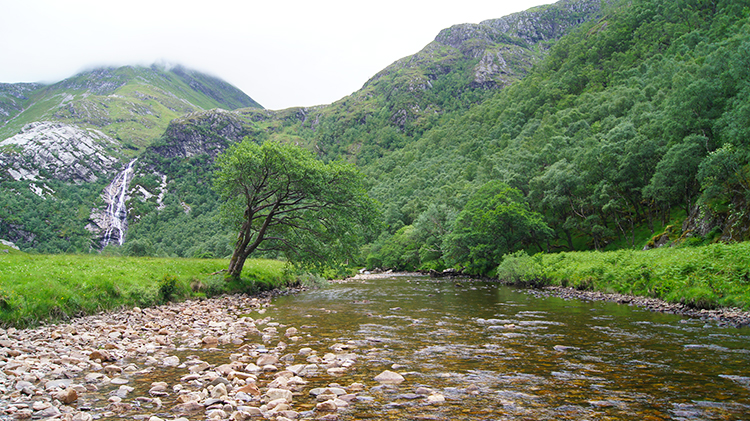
x,y
462,66
63,143
130,104
630,124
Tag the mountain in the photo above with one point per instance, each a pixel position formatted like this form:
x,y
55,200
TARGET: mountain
x,y
81,132
603,125
463,66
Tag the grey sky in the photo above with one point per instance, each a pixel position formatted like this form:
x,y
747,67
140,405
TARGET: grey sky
x,y
282,53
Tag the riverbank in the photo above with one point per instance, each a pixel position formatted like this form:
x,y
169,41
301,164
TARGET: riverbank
x,y
45,288
730,316
710,280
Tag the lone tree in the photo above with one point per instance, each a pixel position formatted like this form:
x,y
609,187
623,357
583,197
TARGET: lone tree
x,y
280,197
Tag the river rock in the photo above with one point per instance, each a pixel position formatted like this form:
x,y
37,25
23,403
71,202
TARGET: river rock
x,y
101,355
336,391
171,361
327,406
250,389
273,394
389,377
436,398
267,359
67,396
51,412
210,340
219,391
39,405
188,407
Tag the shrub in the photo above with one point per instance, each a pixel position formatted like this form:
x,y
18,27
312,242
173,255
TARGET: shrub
x,y
523,270
167,288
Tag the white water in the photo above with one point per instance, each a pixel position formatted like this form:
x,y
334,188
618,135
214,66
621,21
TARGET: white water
x,y
116,214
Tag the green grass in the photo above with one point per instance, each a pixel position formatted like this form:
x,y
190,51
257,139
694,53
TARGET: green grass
x,y
712,276
37,288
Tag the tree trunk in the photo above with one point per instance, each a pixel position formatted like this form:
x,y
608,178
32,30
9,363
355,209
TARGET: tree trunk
x,y
236,264
569,238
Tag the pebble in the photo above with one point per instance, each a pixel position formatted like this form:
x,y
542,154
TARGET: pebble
x,y
389,377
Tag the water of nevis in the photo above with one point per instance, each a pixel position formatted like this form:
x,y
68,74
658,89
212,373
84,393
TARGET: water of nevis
x,y
466,350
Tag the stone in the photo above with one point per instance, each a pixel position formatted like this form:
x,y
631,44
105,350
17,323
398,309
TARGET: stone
x,y
39,405
101,355
267,359
288,414
171,361
210,341
82,416
200,367
273,394
356,387
67,396
250,389
436,398
327,406
336,391
51,412
112,369
187,407
389,377
219,391
252,368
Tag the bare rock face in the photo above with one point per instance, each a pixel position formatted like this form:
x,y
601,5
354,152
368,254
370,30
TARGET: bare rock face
x,y
57,150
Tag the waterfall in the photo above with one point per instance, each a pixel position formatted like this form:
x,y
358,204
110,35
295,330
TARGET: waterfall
x,y
116,214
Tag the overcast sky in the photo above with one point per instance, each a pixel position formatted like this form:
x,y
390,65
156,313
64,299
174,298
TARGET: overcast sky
x,y
282,53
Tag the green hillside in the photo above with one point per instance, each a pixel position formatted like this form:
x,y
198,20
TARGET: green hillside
x,y
576,126
626,125
62,144
620,129
131,104
464,65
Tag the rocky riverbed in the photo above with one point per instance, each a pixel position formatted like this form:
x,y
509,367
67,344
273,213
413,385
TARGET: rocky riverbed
x,y
115,365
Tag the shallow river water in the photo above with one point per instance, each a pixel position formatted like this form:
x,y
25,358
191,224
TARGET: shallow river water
x,y
498,353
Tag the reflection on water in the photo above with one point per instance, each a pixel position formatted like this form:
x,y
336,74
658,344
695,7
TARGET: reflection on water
x,y
497,353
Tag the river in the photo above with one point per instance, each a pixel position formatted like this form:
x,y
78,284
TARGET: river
x,y
495,352
464,350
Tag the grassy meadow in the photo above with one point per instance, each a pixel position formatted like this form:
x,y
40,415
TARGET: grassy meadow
x,y
37,288
705,277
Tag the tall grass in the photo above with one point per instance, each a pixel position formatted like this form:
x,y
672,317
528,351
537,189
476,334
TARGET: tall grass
x,y
36,288
716,275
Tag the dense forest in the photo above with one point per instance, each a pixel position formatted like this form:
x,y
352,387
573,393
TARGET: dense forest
x,y
629,128
633,121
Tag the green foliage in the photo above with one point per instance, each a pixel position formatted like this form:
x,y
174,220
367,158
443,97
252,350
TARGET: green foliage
x,y
710,276
522,270
280,198
51,223
36,288
495,221
167,287
398,252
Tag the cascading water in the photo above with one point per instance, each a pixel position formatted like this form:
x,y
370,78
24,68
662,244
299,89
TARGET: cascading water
x,y
116,214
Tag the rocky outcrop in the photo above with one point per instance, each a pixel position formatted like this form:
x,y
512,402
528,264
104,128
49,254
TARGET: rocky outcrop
x,y
13,98
544,23
208,132
49,150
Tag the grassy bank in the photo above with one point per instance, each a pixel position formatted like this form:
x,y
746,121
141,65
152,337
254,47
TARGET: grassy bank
x,y
717,275
35,288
